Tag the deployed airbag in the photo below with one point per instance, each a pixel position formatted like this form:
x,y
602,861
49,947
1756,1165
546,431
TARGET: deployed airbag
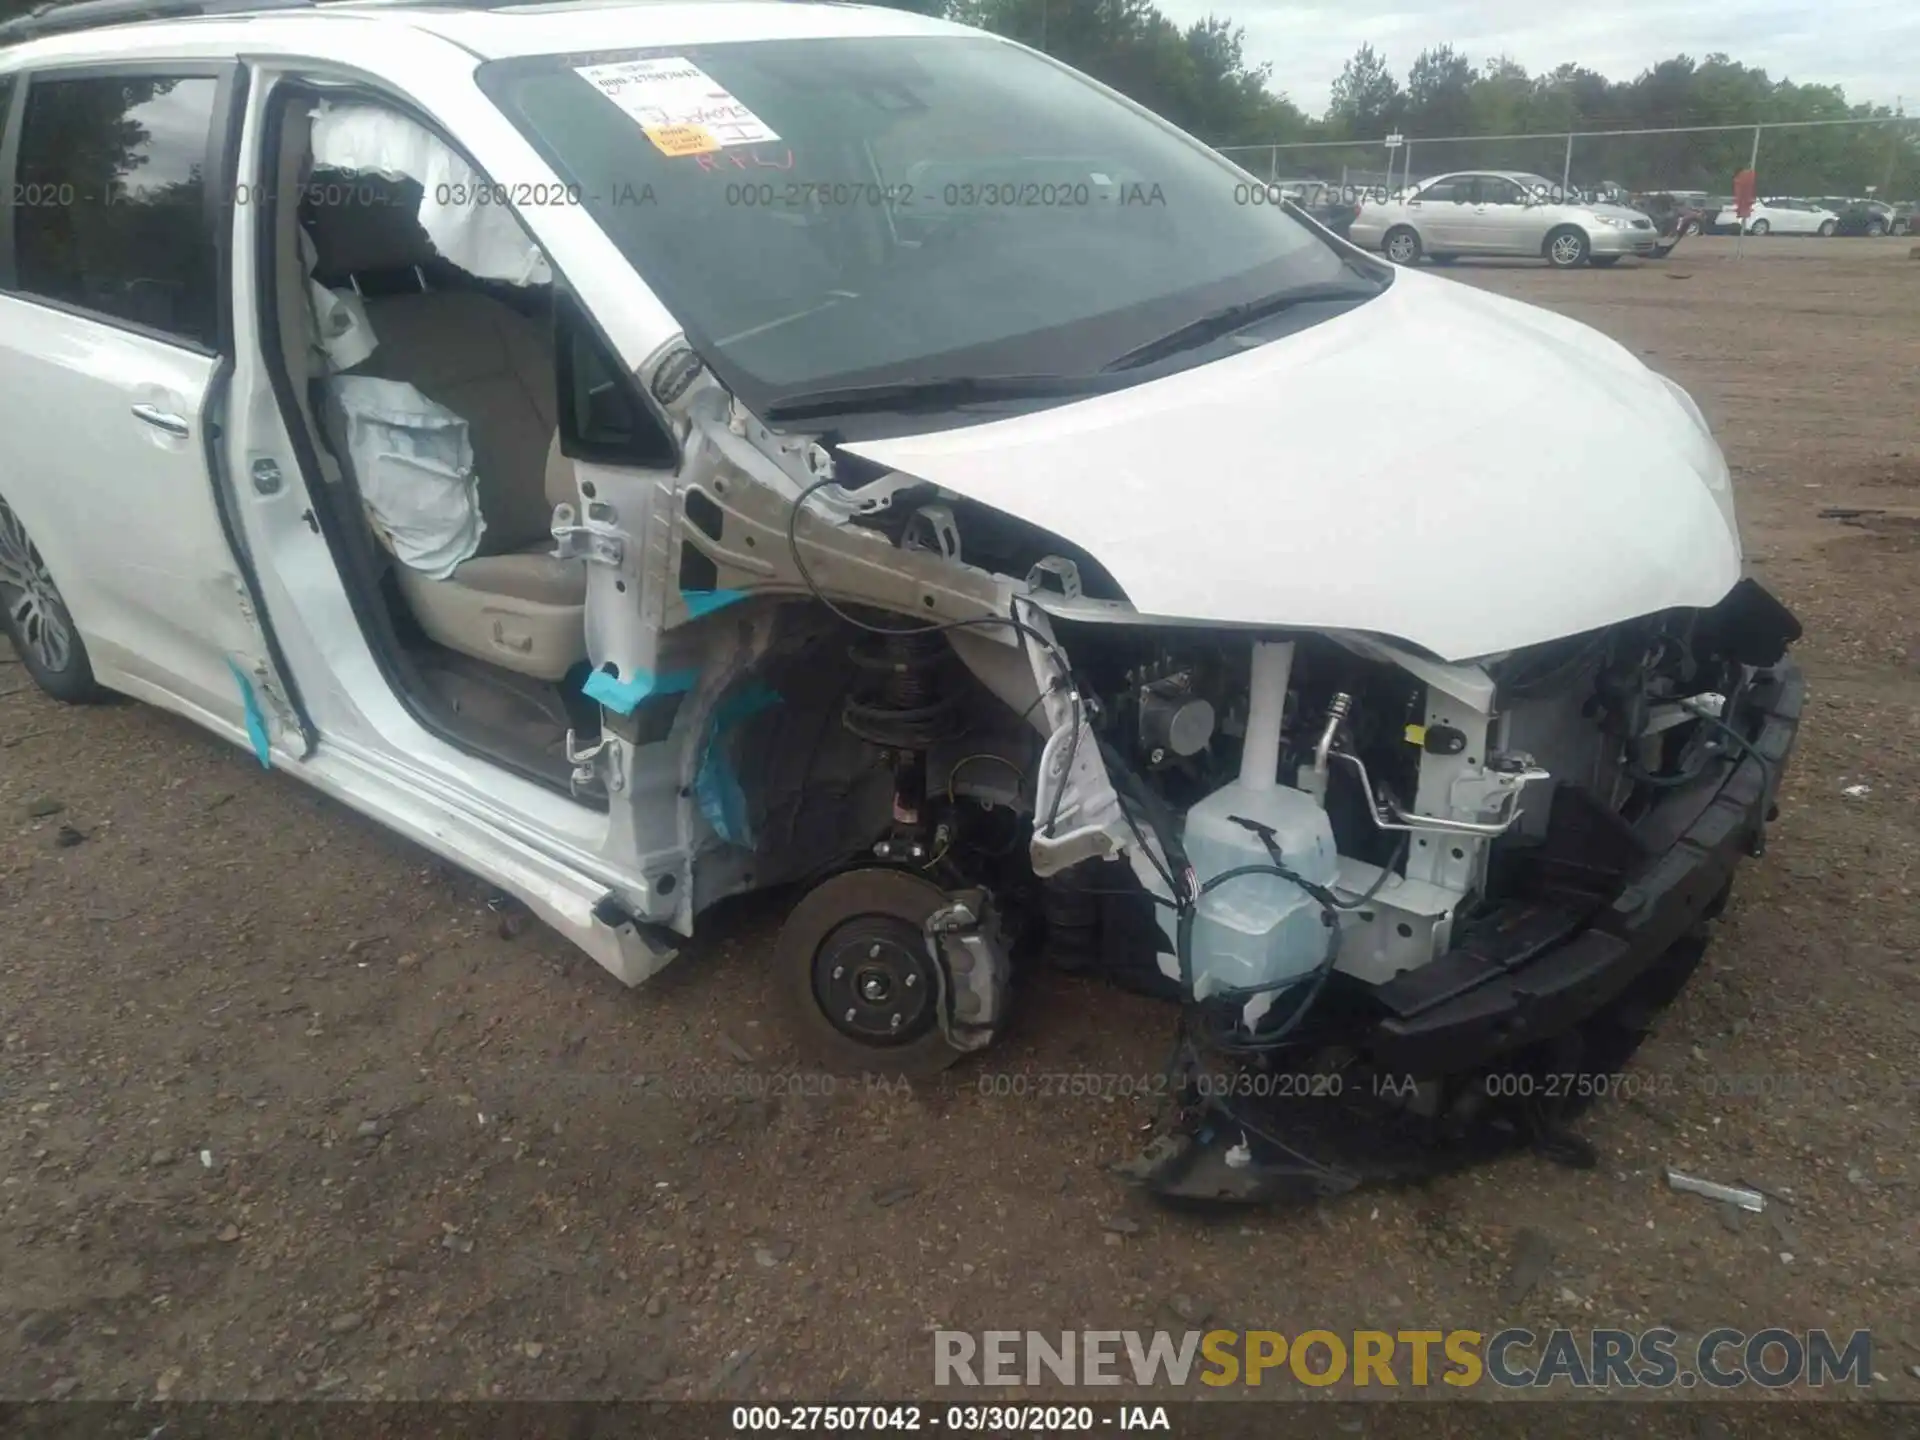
x,y
483,239
413,460
338,331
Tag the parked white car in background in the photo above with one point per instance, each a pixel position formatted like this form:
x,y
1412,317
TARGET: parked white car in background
x,y
1790,217
1501,212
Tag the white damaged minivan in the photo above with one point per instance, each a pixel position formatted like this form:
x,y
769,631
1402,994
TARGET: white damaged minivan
x,y
649,452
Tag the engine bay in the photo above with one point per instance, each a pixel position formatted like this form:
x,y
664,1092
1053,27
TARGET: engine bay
x,y
1332,852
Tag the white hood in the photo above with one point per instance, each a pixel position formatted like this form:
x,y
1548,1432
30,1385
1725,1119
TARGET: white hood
x,y
1441,465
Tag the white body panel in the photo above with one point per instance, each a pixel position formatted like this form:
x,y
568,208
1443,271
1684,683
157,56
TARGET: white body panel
x,y
1538,481
125,508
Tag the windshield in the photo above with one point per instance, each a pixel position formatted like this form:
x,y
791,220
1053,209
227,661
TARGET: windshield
x,y
826,213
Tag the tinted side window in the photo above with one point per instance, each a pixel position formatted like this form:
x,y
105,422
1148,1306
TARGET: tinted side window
x,y
599,418
1438,191
110,207
1497,190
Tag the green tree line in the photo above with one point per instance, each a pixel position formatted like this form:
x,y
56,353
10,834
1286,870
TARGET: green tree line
x,y
1445,94
1201,79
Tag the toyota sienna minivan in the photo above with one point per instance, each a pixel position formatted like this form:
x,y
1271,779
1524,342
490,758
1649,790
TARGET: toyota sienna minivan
x,y
645,452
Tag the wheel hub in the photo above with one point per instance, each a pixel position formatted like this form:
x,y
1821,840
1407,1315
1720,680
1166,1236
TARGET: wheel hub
x,y
874,980
32,604
878,974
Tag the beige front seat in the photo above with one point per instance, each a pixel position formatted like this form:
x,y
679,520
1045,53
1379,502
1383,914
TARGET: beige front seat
x,y
523,610
512,604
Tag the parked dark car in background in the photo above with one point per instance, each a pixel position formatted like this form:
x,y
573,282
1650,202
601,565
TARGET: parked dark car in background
x,y
1674,215
1323,201
1859,217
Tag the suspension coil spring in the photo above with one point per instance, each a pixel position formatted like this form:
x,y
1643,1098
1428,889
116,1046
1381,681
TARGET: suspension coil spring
x,y
902,698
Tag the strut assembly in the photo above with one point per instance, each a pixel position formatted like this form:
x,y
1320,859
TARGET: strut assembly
x,y
902,703
885,969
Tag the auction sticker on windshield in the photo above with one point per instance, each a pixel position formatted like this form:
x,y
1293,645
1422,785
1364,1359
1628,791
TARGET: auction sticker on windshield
x,y
682,109
681,139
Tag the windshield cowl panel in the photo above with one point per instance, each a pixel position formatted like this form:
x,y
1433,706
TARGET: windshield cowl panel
x,y
828,214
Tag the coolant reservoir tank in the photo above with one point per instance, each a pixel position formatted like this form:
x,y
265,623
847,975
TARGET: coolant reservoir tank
x,y
1257,930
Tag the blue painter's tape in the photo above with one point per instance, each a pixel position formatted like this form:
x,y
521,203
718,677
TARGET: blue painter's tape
x,y
256,719
619,696
715,785
622,696
705,602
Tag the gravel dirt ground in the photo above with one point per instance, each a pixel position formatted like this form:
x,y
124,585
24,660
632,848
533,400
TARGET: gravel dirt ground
x,y
287,1111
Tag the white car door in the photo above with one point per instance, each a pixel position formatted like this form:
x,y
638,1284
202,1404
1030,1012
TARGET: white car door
x,y
113,369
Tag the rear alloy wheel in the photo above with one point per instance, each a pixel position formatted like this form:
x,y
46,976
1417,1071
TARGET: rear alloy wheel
x,y
1827,227
1876,228
1567,249
36,619
1402,246
1759,227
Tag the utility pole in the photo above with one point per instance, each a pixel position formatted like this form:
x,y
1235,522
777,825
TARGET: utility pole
x,y
1753,166
1897,133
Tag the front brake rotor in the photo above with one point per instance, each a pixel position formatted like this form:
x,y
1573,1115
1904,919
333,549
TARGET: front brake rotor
x,y
859,985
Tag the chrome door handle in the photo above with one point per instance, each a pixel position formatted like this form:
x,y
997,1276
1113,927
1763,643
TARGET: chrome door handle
x,y
162,420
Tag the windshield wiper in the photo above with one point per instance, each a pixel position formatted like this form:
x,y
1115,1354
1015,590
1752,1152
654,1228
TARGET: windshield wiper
x,y
936,393
1229,318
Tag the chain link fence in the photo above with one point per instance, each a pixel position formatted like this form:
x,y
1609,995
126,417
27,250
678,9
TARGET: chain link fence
x,y
1858,158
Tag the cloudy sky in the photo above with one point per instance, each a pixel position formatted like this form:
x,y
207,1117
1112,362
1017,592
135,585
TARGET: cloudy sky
x,y
1871,47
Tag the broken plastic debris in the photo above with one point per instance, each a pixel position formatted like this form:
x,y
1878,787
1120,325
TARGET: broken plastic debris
x,y
1856,792
1731,1194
